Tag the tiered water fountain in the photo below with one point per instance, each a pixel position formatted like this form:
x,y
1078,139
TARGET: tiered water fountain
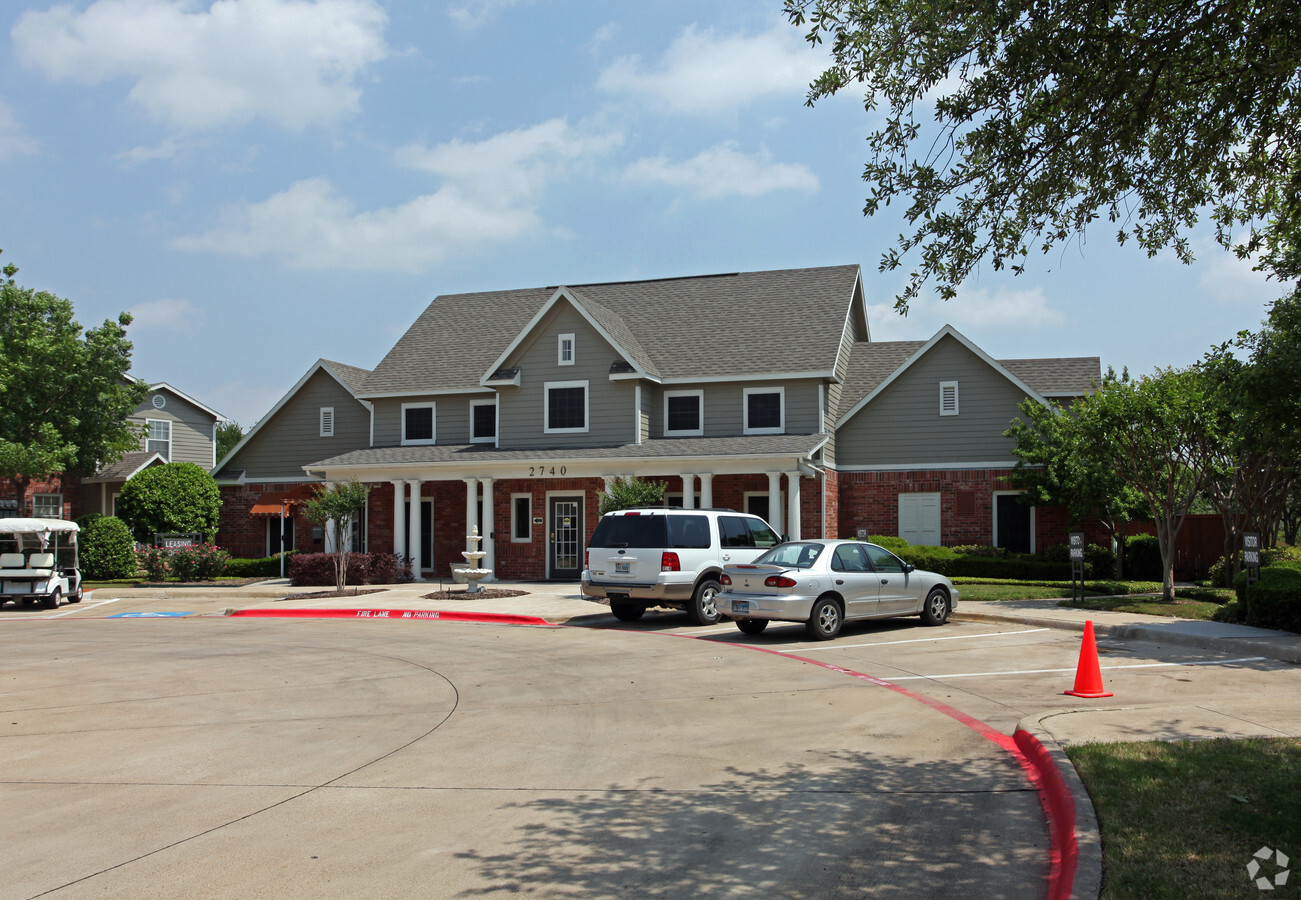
x,y
473,572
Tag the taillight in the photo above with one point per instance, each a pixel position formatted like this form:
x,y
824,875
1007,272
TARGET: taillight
x,y
724,580
779,581
669,562
587,559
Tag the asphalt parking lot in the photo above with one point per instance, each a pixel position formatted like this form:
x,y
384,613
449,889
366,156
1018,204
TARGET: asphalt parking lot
x,y
202,755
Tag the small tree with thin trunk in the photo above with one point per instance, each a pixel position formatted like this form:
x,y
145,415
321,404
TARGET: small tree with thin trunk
x,y
334,508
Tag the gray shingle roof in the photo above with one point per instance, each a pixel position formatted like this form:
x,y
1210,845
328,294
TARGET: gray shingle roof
x,y
749,445
125,467
1068,375
748,323
354,377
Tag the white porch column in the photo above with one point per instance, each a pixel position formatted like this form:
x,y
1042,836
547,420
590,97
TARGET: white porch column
x,y
471,508
413,530
706,490
489,516
688,491
775,502
399,518
793,500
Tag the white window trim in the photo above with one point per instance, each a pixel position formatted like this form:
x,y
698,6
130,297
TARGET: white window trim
x,y
474,404
745,409
38,515
327,421
546,407
945,408
690,432
168,422
994,516
514,522
433,438
560,350
745,501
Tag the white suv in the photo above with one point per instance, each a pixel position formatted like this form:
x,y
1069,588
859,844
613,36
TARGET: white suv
x,y
638,558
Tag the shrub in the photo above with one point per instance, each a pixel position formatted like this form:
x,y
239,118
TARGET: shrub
x,y
893,544
317,569
1142,558
267,567
385,568
174,497
154,562
630,493
1099,561
1021,567
202,563
105,548
1275,600
1234,611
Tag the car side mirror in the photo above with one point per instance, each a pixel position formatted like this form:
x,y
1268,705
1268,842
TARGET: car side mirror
x,y
908,567
786,539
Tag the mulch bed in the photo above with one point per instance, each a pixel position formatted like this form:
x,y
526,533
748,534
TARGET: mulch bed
x,y
485,594
327,595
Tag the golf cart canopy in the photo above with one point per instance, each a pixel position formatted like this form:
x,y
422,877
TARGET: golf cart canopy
x,y
37,526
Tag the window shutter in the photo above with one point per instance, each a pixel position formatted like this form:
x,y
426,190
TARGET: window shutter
x,y
327,421
948,398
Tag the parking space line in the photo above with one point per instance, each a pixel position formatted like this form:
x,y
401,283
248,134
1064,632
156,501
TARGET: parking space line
x,y
956,637
67,612
1204,662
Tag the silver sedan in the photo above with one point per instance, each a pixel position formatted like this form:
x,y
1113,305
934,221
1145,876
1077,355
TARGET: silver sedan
x,y
826,583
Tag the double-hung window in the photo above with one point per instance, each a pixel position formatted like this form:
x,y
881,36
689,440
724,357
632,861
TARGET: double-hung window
x,y
565,350
418,423
158,437
483,421
765,410
566,410
684,413
47,506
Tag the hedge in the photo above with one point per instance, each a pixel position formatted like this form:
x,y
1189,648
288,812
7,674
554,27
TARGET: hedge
x,y
105,548
946,561
317,569
266,567
1275,600
1143,558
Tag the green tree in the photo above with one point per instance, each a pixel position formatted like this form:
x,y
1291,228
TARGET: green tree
x,y
1152,431
228,435
1055,116
1057,466
173,497
630,493
335,507
66,392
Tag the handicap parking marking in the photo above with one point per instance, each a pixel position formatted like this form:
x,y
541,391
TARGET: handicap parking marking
x,y
1203,662
71,609
149,615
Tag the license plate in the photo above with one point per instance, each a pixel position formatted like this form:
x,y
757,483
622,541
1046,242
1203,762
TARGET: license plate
x,y
740,606
623,568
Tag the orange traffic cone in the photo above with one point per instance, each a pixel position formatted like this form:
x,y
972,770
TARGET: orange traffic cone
x,y
1088,675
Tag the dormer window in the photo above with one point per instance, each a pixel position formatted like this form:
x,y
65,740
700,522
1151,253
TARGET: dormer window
x,y
948,398
565,350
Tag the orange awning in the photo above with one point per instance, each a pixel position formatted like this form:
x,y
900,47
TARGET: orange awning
x,y
270,504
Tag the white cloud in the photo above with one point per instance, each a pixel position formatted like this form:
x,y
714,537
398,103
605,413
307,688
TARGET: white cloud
x,y
180,316
13,140
974,312
723,171
490,194
1230,280
704,73
291,62
476,13
166,149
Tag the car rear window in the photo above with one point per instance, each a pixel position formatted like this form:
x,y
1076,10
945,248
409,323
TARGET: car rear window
x,y
632,531
795,556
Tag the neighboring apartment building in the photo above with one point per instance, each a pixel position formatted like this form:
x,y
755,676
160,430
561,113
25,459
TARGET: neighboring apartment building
x,y
511,411
177,428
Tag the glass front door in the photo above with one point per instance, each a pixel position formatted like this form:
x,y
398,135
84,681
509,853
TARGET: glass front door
x,y
566,551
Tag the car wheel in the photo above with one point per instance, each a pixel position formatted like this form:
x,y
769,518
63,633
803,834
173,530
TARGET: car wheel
x,y
825,619
703,608
74,597
752,626
626,612
935,611
52,601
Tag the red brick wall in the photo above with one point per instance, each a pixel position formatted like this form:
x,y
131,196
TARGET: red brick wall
x,y
67,485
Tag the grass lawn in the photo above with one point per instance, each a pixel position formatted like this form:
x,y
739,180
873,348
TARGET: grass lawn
x,y
1151,606
1011,591
1117,596
1182,819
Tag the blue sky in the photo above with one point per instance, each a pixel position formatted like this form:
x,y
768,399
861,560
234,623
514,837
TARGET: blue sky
x,y
265,182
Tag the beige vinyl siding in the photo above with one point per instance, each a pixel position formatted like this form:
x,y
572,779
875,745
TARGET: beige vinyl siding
x,y
610,405
903,425
292,437
192,428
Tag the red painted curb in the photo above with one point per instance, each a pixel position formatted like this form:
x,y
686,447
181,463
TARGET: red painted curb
x,y
393,614
1059,806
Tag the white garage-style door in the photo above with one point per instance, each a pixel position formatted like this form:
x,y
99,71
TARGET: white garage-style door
x,y
919,518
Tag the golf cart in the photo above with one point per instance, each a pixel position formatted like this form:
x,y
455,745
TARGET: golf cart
x,y
38,562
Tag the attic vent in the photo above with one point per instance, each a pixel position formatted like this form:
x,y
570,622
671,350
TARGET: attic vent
x,y
948,398
327,421
159,401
